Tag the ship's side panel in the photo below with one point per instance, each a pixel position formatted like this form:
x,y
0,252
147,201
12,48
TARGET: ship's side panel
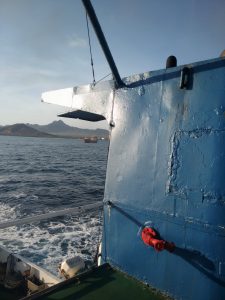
x,y
166,170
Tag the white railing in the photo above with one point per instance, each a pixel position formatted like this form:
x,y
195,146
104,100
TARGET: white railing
x,y
36,218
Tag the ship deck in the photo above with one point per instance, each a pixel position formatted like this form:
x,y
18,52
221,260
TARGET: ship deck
x,y
7,294
101,283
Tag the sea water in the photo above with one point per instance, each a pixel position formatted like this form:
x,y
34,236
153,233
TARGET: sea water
x,y
39,175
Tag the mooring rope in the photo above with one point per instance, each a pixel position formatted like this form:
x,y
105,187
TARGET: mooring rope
x,y
103,78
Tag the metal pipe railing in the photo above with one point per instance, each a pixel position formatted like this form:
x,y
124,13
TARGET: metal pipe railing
x,y
36,218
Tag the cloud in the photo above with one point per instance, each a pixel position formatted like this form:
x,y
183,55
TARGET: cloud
x,y
77,42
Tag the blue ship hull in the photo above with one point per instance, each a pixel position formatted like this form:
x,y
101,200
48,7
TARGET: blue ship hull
x,y
166,171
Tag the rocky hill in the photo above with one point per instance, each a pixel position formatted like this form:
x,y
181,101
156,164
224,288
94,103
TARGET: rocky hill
x,y
59,128
54,129
22,130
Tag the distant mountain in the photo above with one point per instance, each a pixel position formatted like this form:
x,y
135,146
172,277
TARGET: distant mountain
x,y
59,128
22,130
54,129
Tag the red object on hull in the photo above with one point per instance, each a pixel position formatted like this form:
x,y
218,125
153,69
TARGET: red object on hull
x,y
149,237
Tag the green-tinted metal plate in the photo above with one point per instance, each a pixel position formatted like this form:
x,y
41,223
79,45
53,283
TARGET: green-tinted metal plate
x,y
104,283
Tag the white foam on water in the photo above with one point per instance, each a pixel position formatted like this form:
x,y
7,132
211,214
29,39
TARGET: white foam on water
x,y
47,244
60,172
7,212
18,195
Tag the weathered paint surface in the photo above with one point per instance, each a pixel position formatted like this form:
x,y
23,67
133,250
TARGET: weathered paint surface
x,y
166,169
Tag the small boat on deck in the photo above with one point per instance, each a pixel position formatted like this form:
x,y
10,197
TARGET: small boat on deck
x,y
164,202
20,277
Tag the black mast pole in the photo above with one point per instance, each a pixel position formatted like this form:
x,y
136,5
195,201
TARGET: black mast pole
x,y
100,35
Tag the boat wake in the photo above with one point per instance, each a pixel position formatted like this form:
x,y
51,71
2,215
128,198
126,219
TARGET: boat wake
x,y
38,176
47,243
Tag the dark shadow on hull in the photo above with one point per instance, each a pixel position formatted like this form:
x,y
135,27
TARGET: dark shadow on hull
x,y
200,262
193,257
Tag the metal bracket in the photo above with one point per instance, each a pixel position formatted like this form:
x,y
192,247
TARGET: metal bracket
x,y
185,78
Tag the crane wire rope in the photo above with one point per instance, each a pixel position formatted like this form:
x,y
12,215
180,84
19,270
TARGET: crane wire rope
x,y
89,41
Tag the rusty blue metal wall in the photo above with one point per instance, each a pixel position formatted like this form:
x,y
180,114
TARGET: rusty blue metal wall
x,y
166,168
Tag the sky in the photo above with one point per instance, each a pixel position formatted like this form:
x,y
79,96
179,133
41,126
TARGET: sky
x,y
44,46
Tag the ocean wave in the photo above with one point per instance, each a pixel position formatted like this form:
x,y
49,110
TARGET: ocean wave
x,y
45,175
48,243
7,212
18,195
